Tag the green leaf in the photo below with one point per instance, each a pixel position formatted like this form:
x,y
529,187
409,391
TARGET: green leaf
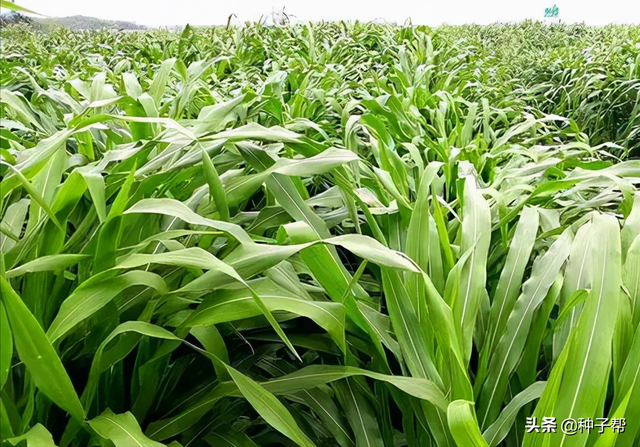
x,y
199,258
35,195
497,431
6,346
326,408
359,413
105,359
157,87
93,295
215,187
407,328
37,436
476,236
121,429
270,409
464,425
13,7
586,375
625,403
53,263
179,210
512,342
512,274
36,352
228,306
315,375
630,275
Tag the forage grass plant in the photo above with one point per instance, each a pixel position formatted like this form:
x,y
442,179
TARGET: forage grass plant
x,y
334,234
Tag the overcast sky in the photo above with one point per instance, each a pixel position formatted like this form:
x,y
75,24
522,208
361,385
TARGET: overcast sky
x,y
430,12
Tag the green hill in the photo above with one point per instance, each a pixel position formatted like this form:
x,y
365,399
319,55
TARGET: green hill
x,y
73,22
86,23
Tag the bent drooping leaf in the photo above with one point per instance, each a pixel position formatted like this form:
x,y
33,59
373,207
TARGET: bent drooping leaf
x,y
88,299
37,436
121,429
179,210
46,263
227,306
270,408
315,375
249,257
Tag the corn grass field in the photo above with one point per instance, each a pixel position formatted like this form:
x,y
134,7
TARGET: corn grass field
x,y
331,235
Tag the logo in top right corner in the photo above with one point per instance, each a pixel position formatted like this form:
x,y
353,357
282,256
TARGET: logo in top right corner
x,y
551,12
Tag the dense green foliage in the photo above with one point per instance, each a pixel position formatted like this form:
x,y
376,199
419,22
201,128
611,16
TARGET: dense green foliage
x,y
336,234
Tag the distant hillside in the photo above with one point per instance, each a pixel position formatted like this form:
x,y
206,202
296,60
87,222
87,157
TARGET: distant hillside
x,y
85,23
14,18
72,22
